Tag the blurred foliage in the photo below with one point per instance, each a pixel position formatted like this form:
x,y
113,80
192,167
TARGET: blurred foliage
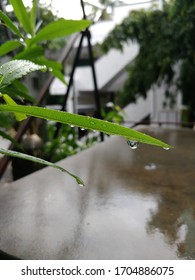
x,y
166,54
67,142
7,120
113,113
45,14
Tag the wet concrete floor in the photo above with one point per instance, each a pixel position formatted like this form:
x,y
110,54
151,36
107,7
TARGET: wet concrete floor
x,y
137,204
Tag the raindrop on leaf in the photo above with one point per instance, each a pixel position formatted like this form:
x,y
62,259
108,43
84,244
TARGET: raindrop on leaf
x,y
132,144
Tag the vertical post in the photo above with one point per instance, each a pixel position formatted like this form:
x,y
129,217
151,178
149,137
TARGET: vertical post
x,y
91,59
58,125
96,91
72,72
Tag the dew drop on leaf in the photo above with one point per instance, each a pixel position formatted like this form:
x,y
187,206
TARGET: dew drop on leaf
x,y
166,148
132,144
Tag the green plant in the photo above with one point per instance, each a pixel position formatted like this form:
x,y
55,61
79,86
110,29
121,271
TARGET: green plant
x,y
30,37
13,70
84,122
113,113
68,142
166,51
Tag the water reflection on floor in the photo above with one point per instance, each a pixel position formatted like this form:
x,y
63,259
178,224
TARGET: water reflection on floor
x,y
138,204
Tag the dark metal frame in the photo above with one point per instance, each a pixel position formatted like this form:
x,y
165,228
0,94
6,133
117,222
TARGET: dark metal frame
x,y
86,33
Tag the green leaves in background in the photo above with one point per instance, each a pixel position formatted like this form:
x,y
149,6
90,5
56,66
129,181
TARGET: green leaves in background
x,y
9,73
9,46
23,16
10,101
18,91
30,53
29,38
85,122
8,22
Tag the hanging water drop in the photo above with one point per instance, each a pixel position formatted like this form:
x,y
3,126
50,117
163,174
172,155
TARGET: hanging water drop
x,y
166,148
133,144
72,126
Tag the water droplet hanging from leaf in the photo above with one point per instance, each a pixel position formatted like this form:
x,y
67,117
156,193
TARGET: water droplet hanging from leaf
x,y
132,144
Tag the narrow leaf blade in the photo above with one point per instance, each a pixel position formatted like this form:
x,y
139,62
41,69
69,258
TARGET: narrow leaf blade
x,y
33,15
8,22
58,74
10,101
40,161
22,15
85,122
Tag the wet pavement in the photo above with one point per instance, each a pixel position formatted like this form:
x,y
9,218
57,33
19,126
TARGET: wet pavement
x,y
137,204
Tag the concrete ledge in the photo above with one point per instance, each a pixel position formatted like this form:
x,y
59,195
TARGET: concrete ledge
x,y
126,211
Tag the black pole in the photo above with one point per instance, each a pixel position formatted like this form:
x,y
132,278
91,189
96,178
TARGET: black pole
x,y
96,91
72,73
83,9
63,108
91,60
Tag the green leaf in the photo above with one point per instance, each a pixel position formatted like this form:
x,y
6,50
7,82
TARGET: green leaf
x,y
9,46
8,22
40,161
30,53
10,101
58,74
60,28
33,15
48,63
17,90
20,86
1,79
54,66
16,69
22,15
86,123
7,120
